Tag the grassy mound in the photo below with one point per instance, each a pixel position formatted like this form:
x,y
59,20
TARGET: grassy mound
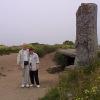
x,y
81,83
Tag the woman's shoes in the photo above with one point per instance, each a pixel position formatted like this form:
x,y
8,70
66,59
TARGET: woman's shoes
x,y
32,85
38,86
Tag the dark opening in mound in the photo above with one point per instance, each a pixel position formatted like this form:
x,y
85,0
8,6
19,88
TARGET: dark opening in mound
x,y
66,61
70,60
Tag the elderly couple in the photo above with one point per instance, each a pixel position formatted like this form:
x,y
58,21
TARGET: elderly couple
x,y
28,60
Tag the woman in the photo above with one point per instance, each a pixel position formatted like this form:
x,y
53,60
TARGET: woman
x,y
33,66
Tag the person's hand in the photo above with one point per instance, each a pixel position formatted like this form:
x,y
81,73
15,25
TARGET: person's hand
x,y
37,65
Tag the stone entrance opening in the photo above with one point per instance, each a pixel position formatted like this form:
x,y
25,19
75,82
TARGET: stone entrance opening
x,y
70,60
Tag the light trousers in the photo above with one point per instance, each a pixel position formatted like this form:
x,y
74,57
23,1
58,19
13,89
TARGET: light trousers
x,y
25,75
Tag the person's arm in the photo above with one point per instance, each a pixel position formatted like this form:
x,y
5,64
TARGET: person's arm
x,y
37,61
18,58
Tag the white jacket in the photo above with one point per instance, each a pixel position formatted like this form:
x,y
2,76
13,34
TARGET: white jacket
x,y
21,57
34,61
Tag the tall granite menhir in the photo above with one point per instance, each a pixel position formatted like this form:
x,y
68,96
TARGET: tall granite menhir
x,y
86,34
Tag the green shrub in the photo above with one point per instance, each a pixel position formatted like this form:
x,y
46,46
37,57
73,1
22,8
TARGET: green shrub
x,y
53,94
8,50
4,51
14,49
68,42
40,51
49,48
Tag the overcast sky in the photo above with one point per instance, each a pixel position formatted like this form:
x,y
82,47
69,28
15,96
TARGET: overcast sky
x,y
43,21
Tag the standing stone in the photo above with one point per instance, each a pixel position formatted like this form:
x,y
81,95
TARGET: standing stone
x,y
86,34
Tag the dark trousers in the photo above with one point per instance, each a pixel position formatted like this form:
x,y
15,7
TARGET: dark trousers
x,y
34,77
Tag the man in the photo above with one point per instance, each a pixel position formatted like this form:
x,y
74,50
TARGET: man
x,y
23,62
34,64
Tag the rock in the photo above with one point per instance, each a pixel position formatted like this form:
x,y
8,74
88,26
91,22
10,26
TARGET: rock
x,y
1,74
54,69
86,34
70,67
68,52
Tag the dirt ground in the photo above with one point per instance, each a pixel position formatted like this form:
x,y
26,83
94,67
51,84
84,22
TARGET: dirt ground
x,y
10,79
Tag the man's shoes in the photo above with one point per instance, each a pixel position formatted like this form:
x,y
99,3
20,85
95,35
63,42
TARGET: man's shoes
x,y
31,85
27,85
22,86
37,86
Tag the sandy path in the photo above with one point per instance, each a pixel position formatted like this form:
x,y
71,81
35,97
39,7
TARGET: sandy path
x,y
10,84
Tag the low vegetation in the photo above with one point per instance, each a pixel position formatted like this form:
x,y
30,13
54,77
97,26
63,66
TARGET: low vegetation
x,y
80,83
41,49
7,50
65,45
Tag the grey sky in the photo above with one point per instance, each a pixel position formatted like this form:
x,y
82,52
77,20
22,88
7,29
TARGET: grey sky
x,y
43,21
